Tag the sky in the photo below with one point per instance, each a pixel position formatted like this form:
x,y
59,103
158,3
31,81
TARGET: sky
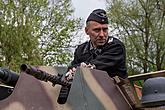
x,y
84,7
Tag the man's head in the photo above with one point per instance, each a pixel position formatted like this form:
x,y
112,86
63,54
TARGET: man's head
x,y
97,27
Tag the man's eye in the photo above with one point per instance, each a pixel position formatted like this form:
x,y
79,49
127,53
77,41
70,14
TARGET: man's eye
x,y
97,30
105,29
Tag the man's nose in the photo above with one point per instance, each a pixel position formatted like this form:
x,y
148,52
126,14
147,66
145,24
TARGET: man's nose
x,y
101,33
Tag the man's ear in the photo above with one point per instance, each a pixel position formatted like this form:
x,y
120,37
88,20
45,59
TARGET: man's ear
x,y
86,30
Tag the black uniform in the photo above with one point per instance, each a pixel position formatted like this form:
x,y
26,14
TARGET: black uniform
x,y
110,57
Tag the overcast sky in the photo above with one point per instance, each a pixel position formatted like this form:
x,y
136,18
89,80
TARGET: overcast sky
x,y
84,7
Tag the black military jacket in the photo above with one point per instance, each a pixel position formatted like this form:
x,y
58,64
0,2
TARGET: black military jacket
x,y
110,57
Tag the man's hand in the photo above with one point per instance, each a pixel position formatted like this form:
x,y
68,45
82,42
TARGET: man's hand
x,y
87,65
70,74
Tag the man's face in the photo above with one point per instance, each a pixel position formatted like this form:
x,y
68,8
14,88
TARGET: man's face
x,y
97,32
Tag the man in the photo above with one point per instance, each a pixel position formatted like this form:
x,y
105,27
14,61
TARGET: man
x,y
102,52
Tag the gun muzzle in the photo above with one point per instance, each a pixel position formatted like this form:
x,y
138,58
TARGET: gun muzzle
x,y
39,74
8,77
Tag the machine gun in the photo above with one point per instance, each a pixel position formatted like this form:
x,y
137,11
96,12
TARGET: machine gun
x,y
44,76
54,79
8,77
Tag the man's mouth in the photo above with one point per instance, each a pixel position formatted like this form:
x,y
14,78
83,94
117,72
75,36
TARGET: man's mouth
x,y
101,40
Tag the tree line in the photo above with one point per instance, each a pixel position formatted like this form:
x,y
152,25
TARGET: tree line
x,y
141,26
40,32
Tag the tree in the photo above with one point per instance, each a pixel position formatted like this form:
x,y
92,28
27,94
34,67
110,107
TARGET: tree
x,y
141,25
35,32
55,43
17,43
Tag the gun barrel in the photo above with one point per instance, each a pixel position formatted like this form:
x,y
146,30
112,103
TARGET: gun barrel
x,y
43,76
8,77
39,74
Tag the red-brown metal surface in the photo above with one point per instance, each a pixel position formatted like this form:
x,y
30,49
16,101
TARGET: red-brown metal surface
x,y
91,90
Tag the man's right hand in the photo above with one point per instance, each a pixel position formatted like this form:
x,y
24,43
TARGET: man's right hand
x,y
70,74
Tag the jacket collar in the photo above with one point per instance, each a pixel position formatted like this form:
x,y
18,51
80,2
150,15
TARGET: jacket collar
x,y
89,46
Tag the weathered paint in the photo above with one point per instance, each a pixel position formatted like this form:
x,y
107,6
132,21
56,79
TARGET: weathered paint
x,y
91,90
